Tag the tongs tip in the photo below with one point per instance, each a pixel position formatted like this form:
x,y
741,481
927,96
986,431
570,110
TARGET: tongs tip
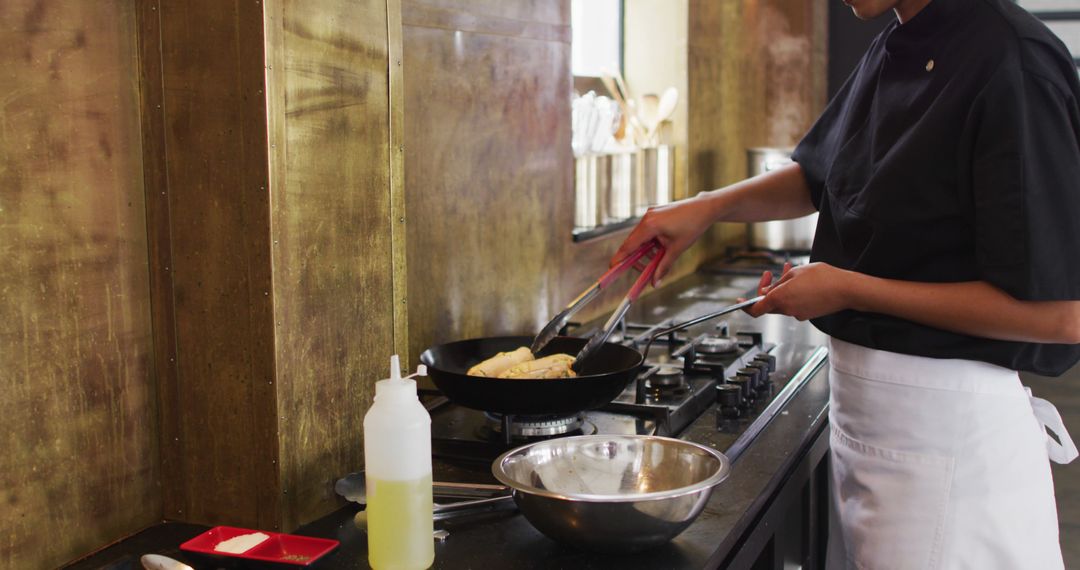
x,y
551,330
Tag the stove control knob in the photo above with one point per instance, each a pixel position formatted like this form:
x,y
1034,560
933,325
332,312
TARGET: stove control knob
x,y
744,381
754,374
730,399
767,359
763,375
728,395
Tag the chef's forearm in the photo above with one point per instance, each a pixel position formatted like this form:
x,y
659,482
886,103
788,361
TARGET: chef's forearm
x,y
976,308
781,194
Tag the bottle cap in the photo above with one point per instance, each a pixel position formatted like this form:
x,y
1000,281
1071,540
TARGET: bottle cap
x,y
395,383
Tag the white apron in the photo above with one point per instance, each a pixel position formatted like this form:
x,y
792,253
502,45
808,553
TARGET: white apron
x,y
939,464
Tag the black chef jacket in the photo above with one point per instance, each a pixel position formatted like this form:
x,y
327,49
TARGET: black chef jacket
x,y
952,154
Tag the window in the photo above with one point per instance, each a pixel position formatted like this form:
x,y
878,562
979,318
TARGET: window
x,y
596,27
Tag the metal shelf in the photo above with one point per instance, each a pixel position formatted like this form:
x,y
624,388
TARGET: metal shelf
x,y
600,231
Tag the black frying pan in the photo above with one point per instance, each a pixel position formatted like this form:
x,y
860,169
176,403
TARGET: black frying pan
x,y
603,376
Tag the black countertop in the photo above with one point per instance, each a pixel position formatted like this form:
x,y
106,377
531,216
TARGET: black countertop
x,y
506,540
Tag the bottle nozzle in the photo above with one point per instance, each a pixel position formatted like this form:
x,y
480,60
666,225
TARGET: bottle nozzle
x,y
395,368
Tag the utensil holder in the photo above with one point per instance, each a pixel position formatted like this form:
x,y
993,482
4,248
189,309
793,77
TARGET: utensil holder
x,y
614,187
656,178
620,194
586,181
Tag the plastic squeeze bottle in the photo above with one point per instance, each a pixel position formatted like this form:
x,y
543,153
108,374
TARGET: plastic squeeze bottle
x,y
397,460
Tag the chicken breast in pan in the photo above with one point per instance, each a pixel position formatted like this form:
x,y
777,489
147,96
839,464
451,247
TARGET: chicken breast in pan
x,y
521,363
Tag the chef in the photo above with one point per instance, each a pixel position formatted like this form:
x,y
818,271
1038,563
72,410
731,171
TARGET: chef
x,y
947,257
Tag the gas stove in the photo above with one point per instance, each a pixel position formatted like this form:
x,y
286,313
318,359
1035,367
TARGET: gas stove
x,y
733,373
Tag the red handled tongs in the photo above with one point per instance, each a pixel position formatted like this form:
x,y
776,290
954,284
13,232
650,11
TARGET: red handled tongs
x,y
551,330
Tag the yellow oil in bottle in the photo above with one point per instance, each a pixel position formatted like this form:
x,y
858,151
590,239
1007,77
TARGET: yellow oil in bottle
x,y
399,519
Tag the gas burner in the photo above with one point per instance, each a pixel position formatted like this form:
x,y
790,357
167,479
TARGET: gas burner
x,y
667,376
717,345
535,426
665,383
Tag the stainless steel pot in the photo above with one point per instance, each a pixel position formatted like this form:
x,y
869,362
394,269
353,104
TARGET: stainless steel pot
x,y
788,235
611,492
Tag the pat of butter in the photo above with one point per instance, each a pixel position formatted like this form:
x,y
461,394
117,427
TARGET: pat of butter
x,y
242,543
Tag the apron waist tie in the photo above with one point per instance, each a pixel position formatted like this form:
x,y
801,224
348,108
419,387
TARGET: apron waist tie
x,y
1061,450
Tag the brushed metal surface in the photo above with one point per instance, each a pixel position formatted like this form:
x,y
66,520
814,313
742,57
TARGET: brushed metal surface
x,y
780,235
755,80
488,170
223,431
331,204
611,492
79,463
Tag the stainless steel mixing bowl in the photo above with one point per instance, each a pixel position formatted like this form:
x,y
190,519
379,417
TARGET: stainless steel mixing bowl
x,y
611,492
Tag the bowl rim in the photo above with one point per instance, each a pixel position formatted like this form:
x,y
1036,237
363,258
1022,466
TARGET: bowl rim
x,y
706,484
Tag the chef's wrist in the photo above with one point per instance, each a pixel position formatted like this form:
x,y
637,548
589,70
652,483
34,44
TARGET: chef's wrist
x,y
716,202
857,288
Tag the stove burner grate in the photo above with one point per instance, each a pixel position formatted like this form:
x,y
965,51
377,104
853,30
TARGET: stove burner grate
x,y
717,345
522,427
667,376
666,382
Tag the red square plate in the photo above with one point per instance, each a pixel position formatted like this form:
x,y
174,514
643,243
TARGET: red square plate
x,y
279,549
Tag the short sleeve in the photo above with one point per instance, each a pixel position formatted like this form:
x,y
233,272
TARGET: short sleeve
x,y
818,149
1025,185
814,153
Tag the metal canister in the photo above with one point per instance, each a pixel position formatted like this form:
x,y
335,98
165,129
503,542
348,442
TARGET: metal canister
x,y
623,186
656,178
794,236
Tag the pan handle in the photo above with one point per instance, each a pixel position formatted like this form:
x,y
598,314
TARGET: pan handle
x,y
699,320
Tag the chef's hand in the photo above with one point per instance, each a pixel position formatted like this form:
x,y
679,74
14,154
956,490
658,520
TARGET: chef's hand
x,y
676,226
804,292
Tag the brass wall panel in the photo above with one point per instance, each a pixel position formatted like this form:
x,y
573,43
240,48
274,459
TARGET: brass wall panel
x,y
155,181
225,442
331,205
78,414
492,22
488,173
489,13
755,75
756,79
398,219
